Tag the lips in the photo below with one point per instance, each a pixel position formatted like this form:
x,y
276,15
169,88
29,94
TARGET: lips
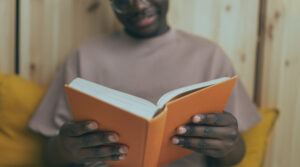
x,y
145,21
144,18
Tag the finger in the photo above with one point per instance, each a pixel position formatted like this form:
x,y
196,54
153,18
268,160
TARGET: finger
x,y
97,139
73,129
207,131
108,158
206,151
197,143
224,119
103,151
209,152
214,153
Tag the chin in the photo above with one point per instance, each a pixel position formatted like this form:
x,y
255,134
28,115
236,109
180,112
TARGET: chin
x,y
151,31
148,31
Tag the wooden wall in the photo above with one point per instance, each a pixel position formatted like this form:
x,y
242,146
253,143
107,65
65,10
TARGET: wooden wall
x,y
63,24
280,80
233,24
51,29
7,35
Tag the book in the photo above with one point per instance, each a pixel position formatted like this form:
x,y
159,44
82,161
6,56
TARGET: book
x,y
146,127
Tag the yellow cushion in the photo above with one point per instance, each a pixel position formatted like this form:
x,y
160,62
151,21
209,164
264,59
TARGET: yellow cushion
x,y
256,139
18,101
21,147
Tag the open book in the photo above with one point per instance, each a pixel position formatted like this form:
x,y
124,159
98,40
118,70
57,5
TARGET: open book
x,y
145,127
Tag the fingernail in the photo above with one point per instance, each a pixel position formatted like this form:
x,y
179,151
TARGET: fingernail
x,y
181,130
175,140
197,118
123,149
113,138
122,157
92,125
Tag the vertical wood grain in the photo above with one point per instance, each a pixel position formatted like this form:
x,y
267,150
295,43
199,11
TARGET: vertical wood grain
x,y
233,24
51,30
7,35
280,82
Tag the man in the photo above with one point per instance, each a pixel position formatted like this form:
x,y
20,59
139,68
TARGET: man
x,y
147,59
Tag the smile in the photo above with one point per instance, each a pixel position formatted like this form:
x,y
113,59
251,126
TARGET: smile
x,y
146,21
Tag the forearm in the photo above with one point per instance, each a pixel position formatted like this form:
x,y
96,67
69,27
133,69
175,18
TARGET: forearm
x,y
232,158
53,154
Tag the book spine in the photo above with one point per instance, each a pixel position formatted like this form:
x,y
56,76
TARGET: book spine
x,y
155,134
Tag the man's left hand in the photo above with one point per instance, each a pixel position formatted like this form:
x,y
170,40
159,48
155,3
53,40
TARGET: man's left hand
x,y
214,135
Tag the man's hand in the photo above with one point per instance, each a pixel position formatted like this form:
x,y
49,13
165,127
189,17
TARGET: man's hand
x,y
215,135
80,143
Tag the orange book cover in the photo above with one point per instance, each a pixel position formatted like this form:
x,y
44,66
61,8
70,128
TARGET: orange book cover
x,y
149,140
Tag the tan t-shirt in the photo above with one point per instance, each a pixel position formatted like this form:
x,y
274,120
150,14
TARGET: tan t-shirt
x,y
147,68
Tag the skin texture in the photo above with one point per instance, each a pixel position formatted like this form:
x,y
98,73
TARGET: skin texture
x,y
140,11
215,136
81,142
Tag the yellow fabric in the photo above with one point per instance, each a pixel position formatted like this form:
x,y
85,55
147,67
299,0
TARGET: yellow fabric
x,y
21,147
256,139
18,100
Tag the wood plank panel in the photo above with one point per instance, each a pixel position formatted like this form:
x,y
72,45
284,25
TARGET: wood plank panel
x,y
51,30
7,35
280,81
233,24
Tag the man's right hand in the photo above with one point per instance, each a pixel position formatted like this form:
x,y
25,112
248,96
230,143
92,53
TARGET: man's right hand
x,y
82,143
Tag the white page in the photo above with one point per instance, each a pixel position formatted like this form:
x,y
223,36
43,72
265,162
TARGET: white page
x,y
130,103
172,94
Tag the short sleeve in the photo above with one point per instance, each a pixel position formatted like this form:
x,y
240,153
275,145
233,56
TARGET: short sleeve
x,y
54,111
239,103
